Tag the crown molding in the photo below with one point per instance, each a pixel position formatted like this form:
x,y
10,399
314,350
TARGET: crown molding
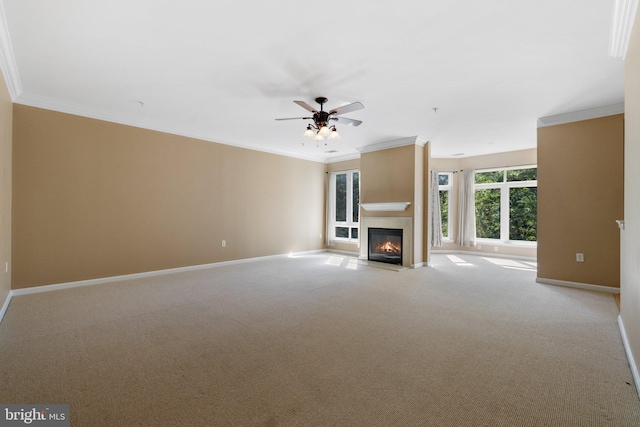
x,y
7,59
92,113
411,140
624,13
576,116
343,157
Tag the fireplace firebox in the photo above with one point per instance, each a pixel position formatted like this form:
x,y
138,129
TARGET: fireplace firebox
x,y
385,245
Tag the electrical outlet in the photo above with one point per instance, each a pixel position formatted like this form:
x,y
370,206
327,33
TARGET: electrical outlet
x,y
479,247
224,243
495,248
579,257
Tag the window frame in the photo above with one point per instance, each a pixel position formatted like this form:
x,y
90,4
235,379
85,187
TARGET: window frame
x,y
448,189
350,224
504,188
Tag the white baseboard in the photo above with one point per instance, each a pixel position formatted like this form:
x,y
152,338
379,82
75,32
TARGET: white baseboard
x,y
90,282
632,361
5,305
483,254
346,253
598,288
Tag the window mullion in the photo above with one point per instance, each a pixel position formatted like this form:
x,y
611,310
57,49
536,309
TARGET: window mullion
x,y
349,213
504,213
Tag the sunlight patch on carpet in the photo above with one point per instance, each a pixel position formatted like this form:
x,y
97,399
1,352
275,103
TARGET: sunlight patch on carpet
x,y
510,264
458,261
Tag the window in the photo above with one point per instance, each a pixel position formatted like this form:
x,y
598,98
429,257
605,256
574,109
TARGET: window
x,y
444,190
345,212
506,204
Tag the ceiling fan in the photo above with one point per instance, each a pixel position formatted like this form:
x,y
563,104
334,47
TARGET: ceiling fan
x,y
322,126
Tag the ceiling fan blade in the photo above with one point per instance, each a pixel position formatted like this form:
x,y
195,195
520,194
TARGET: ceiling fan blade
x,y
346,121
297,118
354,106
306,106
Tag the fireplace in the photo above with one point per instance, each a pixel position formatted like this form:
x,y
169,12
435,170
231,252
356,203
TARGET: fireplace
x,y
385,245
401,223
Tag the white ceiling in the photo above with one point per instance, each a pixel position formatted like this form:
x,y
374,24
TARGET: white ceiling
x,y
224,70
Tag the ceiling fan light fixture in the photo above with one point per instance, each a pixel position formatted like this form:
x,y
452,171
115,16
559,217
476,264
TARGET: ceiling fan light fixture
x,y
309,133
324,131
334,133
318,137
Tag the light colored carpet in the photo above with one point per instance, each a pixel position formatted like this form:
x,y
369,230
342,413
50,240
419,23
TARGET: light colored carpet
x,y
322,341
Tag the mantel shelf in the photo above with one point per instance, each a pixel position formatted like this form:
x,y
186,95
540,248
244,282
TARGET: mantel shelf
x,y
386,207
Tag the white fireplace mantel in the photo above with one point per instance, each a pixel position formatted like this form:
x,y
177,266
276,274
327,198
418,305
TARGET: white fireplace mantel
x,y
386,206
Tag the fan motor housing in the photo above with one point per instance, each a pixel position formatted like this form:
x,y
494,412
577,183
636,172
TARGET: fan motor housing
x,y
321,118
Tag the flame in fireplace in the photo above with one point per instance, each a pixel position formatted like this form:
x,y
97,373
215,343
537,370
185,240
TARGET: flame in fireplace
x,y
388,247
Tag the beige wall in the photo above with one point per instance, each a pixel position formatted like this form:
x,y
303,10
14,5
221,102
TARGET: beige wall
x,y
630,244
498,160
388,176
421,182
395,175
6,126
426,241
580,196
96,199
345,165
